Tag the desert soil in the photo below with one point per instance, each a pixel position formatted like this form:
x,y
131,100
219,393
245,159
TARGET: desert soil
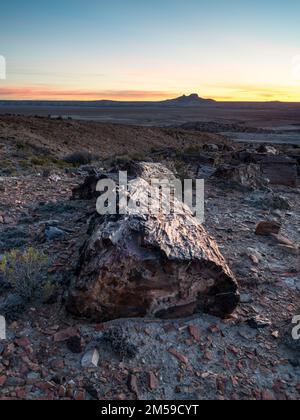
x,y
250,355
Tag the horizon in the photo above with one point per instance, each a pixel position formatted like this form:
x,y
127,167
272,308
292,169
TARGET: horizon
x,y
146,101
133,51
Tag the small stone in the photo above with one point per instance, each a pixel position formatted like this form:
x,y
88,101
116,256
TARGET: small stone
x,y
153,381
2,380
62,391
259,322
254,259
194,332
133,386
53,233
267,228
214,329
179,356
254,252
65,335
208,356
32,378
22,342
90,359
70,391
246,298
79,395
21,394
277,213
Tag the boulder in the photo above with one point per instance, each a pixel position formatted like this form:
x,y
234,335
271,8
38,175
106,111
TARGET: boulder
x,y
211,147
157,265
267,149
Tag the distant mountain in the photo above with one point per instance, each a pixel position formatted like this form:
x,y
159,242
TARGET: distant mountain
x,y
191,100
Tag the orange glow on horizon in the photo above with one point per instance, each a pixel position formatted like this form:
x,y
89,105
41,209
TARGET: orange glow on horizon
x,y
229,94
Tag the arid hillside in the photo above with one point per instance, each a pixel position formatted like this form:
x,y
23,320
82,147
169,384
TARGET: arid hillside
x,y
61,137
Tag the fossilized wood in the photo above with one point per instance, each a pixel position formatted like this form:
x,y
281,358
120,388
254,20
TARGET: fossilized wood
x,y
280,170
159,265
145,170
248,176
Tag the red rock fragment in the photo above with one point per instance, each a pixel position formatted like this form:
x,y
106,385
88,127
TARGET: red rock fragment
x,y
79,395
2,380
62,391
268,228
65,335
153,381
179,356
133,386
22,342
194,332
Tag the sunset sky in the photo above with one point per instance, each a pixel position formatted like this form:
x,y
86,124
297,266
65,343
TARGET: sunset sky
x,y
150,50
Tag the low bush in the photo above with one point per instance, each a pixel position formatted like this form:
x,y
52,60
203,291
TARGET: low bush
x,y
27,273
81,158
120,342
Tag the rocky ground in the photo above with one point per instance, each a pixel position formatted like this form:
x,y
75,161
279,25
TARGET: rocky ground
x,y
49,354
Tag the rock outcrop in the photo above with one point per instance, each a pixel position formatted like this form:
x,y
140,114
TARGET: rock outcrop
x,y
158,265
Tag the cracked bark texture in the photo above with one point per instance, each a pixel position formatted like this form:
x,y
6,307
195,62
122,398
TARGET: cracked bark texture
x,y
158,265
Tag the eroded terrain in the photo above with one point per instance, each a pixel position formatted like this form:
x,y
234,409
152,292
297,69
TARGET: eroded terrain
x,y
249,355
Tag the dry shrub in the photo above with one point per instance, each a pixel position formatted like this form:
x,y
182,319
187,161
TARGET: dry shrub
x,y
81,158
27,273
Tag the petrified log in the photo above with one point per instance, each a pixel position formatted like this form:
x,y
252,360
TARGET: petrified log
x,y
161,265
247,176
280,170
145,170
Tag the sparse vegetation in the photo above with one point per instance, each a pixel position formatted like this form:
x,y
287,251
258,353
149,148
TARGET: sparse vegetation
x,y
119,342
193,149
81,158
7,168
48,161
26,273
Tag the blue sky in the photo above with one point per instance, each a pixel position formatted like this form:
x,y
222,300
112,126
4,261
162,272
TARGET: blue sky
x,y
127,48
